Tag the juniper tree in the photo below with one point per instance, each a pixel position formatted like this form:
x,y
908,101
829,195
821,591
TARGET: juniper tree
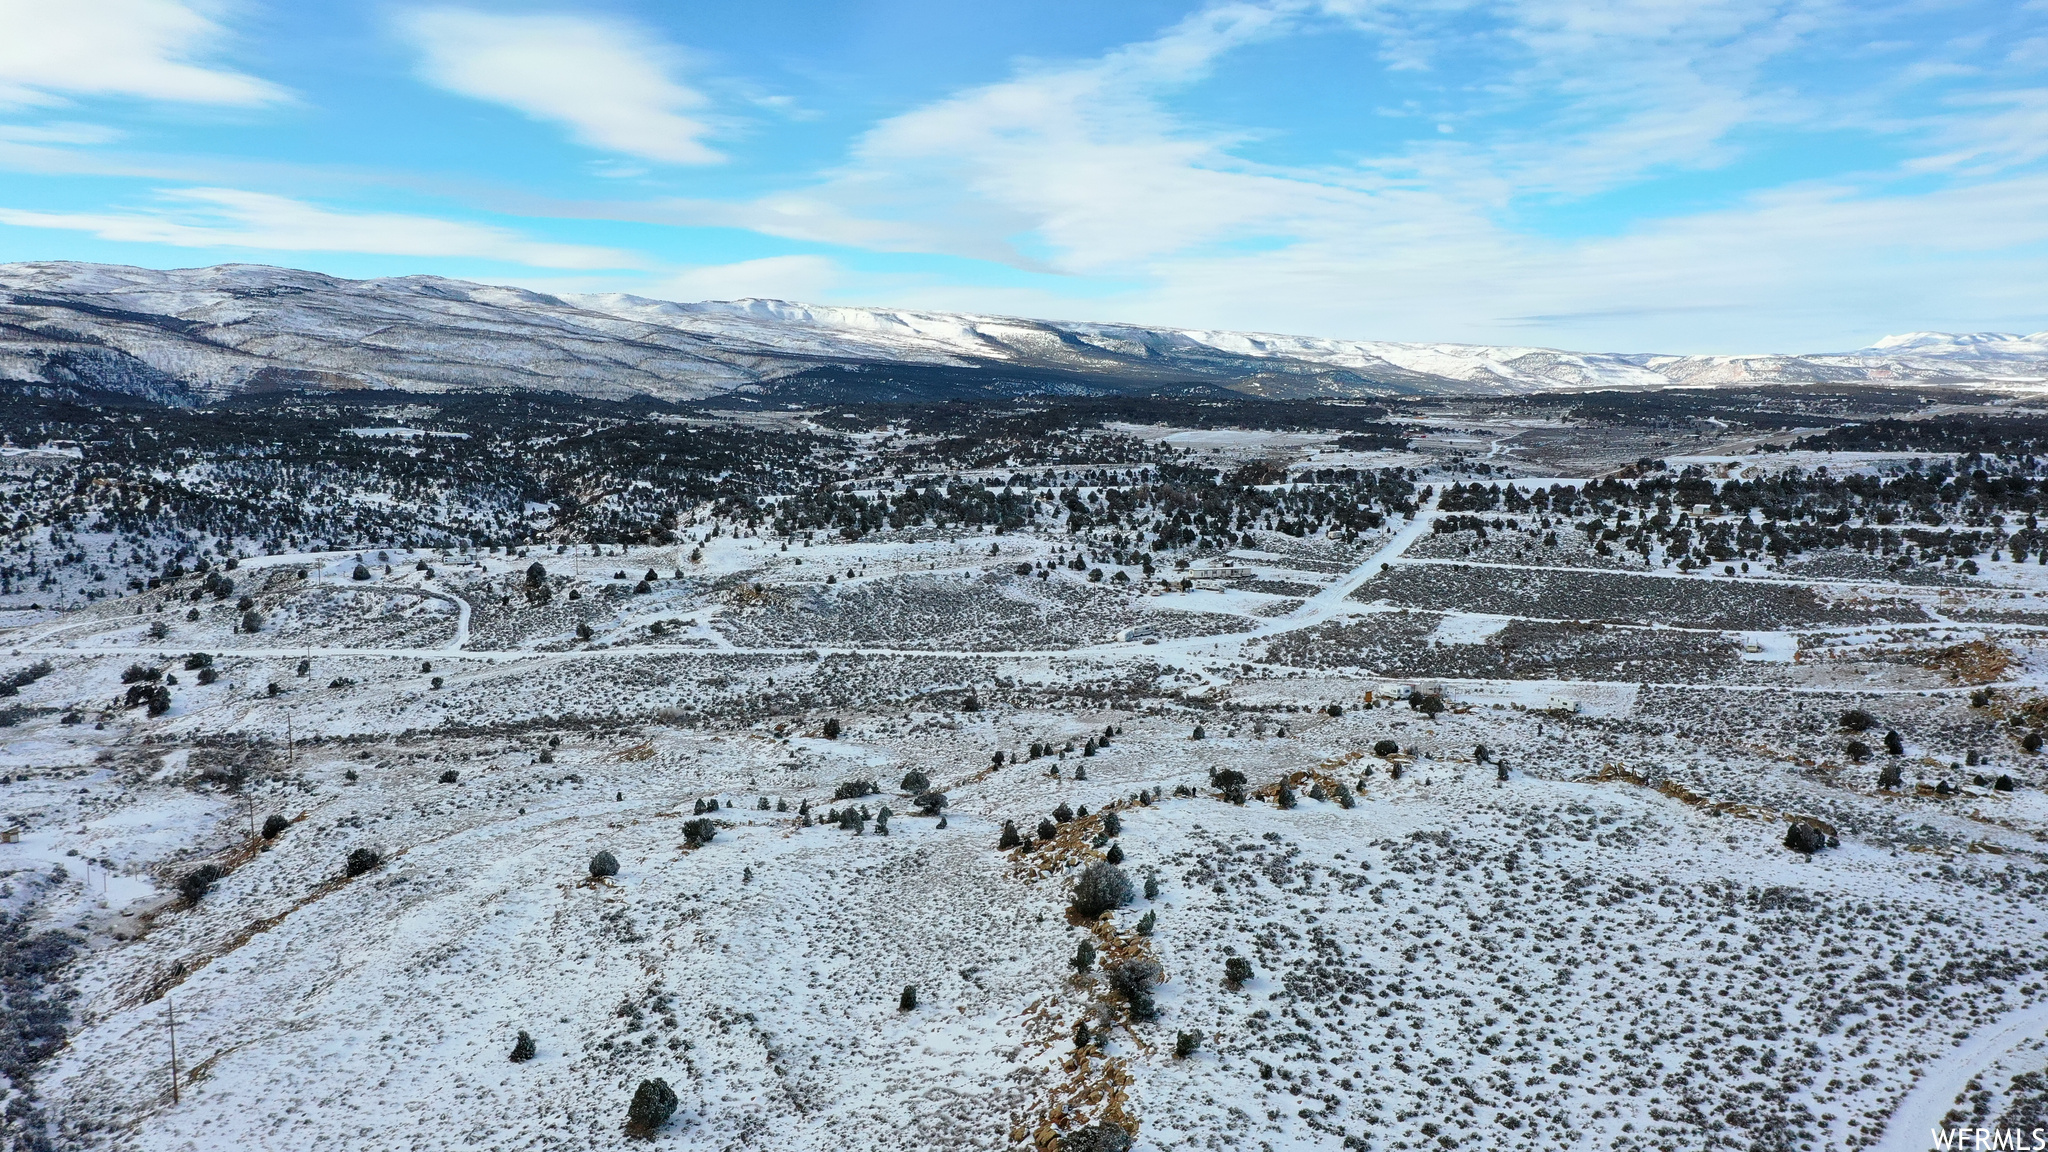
x,y
1186,1044
1081,1036
1084,956
1134,978
1805,838
1009,839
274,826
1894,744
603,865
195,883
1151,886
1890,776
832,728
1080,771
1385,748
1063,814
915,782
1102,886
908,1000
1148,921
1046,829
1236,971
522,1048
1103,1137
1115,855
363,860
653,1103
1285,797
1111,825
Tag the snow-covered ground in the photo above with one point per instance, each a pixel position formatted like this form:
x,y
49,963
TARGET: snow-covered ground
x,y
1557,912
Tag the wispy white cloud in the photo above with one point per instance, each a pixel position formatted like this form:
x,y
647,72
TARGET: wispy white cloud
x,y
772,277
613,86
144,49
231,218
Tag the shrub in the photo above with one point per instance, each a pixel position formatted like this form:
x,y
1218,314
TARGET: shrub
x,y
1804,837
1104,1137
1429,706
137,673
1199,733
522,1048
1857,720
1047,829
2003,783
930,802
361,573
1084,956
274,826
915,782
1857,750
1148,922
1890,776
832,728
700,831
1285,797
1186,1044
363,860
1063,814
195,883
603,865
208,675
1009,838
1236,971
854,790
1102,886
1111,825
1385,748
653,1103
450,776
1335,709
196,660
908,1000
535,575
1151,886
1894,745
252,621
1134,980
1115,855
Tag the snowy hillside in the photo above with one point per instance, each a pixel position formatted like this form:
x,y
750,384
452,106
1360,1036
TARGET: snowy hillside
x,y
193,335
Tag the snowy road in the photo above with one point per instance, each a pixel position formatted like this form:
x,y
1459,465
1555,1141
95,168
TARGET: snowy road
x,y
1913,1122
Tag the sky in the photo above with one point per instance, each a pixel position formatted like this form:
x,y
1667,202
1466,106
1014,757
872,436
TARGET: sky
x,y
1687,176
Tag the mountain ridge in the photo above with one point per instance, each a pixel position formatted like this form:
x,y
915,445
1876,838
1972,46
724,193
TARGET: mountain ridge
x,y
193,336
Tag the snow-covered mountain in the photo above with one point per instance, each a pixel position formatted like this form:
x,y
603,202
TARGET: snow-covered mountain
x,y
192,335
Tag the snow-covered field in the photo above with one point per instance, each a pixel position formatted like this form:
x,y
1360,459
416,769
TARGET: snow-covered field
x,y
1557,913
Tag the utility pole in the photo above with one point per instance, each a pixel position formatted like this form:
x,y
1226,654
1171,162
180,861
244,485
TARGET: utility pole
x,y
171,1019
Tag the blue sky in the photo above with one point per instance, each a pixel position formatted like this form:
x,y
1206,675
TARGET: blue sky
x,y
1632,175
